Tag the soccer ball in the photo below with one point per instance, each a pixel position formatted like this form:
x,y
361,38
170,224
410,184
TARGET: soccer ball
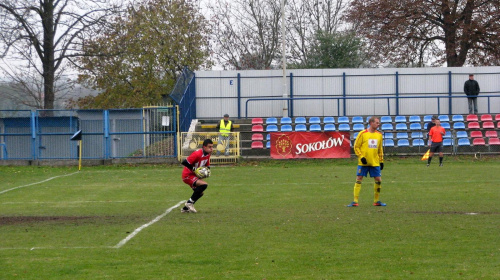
x,y
204,171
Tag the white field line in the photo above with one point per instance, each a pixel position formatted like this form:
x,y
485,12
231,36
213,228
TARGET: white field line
x,y
137,230
36,183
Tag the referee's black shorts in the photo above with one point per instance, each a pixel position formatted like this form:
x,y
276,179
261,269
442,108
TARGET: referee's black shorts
x,y
437,147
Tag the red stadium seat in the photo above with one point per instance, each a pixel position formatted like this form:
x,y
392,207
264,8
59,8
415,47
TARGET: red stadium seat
x,y
257,121
473,125
491,134
472,118
476,134
257,128
478,142
257,137
486,118
494,141
257,145
497,117
488,125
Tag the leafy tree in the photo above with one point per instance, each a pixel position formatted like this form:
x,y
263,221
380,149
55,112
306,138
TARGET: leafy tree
x,y
138,60
435,32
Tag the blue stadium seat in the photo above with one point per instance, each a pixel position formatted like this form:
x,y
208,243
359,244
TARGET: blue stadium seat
x,y
400,119
457,118
387,126
462,134
286,120
415,119
314,120
417,142
268,137
300,127
329,120
388,135
272,128
344,127
444,118
286,128
416,134
425,126
427,118
386,119
358,127
315,127
445,125
447,134
458,125
357,119
300,120
403,143
268,145
447,142
388,143
463,142
343,120
402,135
271,121
330,127
368,119
415,126
401,126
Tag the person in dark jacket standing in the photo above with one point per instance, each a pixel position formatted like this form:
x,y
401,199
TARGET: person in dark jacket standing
x,y
471,89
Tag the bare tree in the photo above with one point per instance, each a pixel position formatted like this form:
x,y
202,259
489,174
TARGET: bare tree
x,y
45,34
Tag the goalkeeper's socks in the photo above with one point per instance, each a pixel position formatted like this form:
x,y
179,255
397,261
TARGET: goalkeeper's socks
x,y
190,201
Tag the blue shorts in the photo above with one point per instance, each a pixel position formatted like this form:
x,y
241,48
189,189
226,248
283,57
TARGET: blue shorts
x,y
373,170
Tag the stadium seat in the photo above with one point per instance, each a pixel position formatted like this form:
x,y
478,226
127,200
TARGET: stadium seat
x,y
403,143
286,120
486,118
257,121
491,134
415,119
473,125
497,117
358,127
357,119
401,126
476,134
493,141
329,120
286,128
458,125
257,145
425,126
300,127
272,128
415,126
478,142
314,120
472,118
330,127
268,145
447,134
457,118
344,127
402,135
368,119
343,120
417,142
271,121
301,120
446,125
463,142
257,137
388,135
388,143
387,126
400,119
488,125
268,137
427,118
462,134
315,127
386,119
257,128
447,142
418,134
444,118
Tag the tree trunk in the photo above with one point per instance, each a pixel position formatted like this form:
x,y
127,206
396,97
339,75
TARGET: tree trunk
x,y
48,55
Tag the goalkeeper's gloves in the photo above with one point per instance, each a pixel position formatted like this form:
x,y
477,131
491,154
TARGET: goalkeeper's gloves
x,y
381,165
363,160
197,172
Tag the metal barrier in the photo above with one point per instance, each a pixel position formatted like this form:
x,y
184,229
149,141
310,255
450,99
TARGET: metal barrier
x,y
226,149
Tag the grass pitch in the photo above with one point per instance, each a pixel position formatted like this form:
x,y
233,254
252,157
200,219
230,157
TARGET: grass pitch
x,y
257,220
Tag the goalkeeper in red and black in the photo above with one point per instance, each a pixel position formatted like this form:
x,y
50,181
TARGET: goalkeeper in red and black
x,y
191,175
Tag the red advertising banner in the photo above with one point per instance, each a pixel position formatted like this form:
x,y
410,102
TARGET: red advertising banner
x,y
310,145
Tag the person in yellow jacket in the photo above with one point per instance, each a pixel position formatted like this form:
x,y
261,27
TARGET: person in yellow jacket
x,y
225,127
368,148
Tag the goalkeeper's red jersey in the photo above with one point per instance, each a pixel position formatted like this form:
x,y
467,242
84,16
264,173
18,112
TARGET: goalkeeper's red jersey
x,y
197,159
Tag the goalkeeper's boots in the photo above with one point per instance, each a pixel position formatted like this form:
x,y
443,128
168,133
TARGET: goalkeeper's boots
x,y
379,203
184,210
190,207
353,204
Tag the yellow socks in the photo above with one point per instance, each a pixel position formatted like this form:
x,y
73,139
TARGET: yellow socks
x,y
376,189
357,189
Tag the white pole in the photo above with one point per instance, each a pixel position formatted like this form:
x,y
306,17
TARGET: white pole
x,y
283,40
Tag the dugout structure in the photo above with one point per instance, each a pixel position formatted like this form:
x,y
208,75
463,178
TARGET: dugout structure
x,y
192,141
